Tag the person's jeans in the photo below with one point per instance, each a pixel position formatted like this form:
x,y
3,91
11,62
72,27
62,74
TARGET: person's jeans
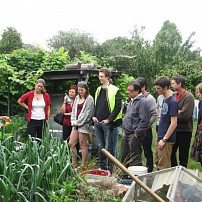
x,y
103,134
115,138
131,150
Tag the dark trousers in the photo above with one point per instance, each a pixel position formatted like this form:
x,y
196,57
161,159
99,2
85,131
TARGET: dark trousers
x,y
66,134
183,140
131,150
147,147
35,128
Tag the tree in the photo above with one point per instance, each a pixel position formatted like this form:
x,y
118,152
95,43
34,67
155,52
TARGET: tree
x,y
166,44
73,41
11,40
172,57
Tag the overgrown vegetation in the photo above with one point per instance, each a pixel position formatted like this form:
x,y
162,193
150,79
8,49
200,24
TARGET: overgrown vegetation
x,y
32,169
134,56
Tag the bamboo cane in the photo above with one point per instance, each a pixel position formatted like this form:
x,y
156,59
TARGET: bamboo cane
x,y
132,176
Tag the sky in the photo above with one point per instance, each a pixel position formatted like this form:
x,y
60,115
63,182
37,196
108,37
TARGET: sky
x,y
39,20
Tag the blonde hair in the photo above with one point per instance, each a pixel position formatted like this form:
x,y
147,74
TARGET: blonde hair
x,y
199,88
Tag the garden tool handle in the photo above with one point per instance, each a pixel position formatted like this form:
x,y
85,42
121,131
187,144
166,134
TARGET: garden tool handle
x,y
132,176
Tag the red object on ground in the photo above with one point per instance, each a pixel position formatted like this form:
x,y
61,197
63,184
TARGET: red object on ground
x,y
96,172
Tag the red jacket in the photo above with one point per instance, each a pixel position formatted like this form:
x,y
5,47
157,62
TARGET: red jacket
x,y
29,96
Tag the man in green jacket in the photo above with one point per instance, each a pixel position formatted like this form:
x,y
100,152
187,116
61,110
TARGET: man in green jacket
x,y
108,115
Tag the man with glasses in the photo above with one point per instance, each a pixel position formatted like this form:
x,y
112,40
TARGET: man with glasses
x,y
167,125
108,115
135,125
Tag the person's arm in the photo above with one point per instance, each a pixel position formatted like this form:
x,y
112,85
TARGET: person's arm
x,y
153,111
86,113
22,104
117,108
187,109
169,132
48,110
144,118
153,118
63,107
74,111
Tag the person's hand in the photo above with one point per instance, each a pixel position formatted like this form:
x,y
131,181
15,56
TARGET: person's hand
x,y
161,144
73,123
105,121
6,118
94,119
65,98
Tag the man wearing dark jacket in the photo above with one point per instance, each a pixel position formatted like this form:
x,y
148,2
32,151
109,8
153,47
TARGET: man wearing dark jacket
x,y
136,121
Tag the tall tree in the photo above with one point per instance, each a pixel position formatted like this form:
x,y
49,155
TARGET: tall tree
x,y
73,41
11,40
166,44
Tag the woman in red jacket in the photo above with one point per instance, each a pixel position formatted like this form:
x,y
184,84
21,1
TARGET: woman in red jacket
x,y
37,102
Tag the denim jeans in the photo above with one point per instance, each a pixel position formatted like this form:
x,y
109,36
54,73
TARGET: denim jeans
x,y
115,138
103,134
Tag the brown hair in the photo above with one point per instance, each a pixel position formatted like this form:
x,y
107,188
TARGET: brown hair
x,y
43,82
179,79
83,84
106,72
74,87
199,88
162,81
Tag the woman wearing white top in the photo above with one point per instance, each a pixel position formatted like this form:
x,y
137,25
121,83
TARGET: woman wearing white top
x,y
37,102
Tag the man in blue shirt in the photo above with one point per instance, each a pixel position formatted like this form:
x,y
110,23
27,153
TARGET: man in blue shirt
x,y
167,125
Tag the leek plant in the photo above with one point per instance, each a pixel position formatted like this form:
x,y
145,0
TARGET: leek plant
x,y
30,169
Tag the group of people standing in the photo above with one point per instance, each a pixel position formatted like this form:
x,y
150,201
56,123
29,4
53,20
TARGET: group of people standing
x,y
173,111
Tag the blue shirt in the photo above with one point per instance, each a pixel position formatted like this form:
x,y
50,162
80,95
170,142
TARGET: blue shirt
x,y
169,109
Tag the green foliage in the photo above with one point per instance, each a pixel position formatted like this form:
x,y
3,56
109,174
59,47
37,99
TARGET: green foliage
x,y
133,56
55,60
122,84
86,58
167,43
20,69
17,127
11,40
73,41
